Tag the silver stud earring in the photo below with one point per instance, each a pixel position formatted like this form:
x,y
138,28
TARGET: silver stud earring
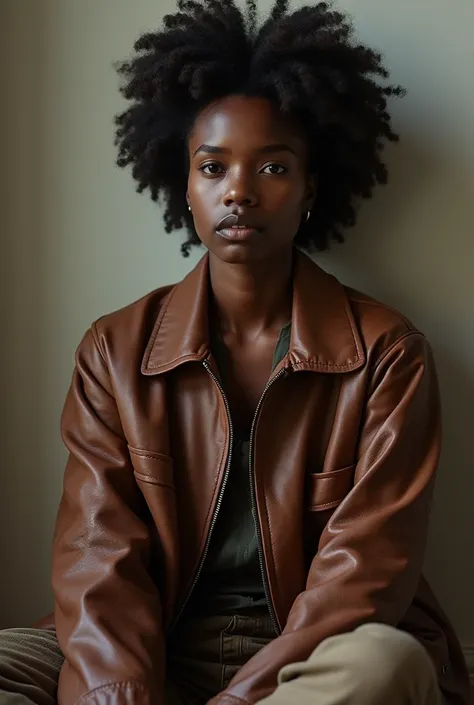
x,y
308,215
189,208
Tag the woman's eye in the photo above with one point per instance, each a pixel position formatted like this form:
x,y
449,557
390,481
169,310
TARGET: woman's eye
x,y
211,168
274,169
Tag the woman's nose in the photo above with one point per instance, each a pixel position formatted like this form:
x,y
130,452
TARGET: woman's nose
x,y
240,191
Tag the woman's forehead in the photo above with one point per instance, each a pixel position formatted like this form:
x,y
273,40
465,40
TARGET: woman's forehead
x,y
238,121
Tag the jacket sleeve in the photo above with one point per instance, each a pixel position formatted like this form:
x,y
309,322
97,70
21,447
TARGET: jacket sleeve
x,y
369,559
107,608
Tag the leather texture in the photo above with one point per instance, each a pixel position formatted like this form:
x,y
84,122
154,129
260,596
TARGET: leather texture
x,y
345,452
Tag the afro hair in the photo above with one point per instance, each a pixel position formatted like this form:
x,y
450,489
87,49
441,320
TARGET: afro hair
x,y
307,62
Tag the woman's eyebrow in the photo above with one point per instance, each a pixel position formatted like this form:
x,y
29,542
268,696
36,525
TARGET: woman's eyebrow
x,y
212,149
276,148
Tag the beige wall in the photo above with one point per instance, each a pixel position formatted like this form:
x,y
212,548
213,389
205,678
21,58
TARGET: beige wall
x,y
78,242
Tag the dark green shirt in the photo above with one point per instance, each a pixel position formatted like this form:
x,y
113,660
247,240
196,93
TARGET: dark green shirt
x,y
231,581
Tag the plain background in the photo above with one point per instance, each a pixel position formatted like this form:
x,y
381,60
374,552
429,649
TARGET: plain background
x,y
77,242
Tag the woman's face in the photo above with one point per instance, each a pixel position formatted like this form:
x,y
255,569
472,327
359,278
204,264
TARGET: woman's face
x,y
248,167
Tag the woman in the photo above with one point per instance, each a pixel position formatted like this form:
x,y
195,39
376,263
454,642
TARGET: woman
x,y
252,450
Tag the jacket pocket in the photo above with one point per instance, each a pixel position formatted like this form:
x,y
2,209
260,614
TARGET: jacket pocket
x,y
151,467
328,489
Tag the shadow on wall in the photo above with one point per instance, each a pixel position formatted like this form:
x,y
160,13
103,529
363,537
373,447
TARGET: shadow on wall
x,y
22,526
413,248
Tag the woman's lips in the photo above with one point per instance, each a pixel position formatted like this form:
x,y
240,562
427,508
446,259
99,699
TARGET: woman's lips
x,y
233,227
238,233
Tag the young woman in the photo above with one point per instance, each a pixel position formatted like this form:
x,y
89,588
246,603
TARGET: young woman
x,y
252,450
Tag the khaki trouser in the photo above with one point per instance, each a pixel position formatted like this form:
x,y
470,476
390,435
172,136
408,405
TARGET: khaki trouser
x,y
373,664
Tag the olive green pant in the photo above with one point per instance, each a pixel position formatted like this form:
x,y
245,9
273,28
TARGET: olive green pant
x,y
373,665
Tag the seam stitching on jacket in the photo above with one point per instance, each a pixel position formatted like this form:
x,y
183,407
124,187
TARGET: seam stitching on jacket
x,y
189,356
315,363
95,337
350,316
159,321
379,304
152,481
399,340
327,504
151,457
232,699
331,473
111,686
150,454
271,542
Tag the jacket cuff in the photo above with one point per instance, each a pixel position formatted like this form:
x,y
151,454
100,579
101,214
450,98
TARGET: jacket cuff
x,y
227,700
123,693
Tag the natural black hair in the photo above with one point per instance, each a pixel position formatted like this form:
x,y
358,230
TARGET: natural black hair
x,y
307,62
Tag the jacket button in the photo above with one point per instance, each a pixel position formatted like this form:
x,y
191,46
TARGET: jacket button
x,y
445,669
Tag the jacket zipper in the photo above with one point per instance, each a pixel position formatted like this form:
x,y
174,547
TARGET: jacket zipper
x,y
219,499
273,616
258,531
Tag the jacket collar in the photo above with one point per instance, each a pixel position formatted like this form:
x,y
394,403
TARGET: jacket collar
x,y
324,334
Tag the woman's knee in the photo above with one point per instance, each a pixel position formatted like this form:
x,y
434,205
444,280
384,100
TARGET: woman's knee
x,y
384,656
373,664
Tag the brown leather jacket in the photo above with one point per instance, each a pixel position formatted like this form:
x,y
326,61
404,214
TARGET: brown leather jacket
x,y
345,445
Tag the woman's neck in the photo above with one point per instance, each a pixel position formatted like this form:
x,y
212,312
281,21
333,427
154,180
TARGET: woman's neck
x,y
249,300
